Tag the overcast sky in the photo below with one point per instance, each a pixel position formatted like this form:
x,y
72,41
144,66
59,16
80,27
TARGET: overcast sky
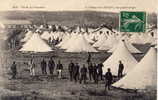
x,y
69,5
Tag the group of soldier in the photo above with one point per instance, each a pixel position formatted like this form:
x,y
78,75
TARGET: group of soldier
x,y
76,73
80,74
51,67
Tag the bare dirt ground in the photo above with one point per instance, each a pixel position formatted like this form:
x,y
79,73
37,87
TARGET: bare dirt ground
x,y
44,87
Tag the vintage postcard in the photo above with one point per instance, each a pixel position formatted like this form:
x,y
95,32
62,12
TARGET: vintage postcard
x,y
78,49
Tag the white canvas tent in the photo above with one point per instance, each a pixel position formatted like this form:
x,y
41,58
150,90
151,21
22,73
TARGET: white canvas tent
x,y
68,42
144,74
103,30
64,40
35,44
100,41
109,43
120,54
28,35
130,47
80,44
87,37
136,39
46,35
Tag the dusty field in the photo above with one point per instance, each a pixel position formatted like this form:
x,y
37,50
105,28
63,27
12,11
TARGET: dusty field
x,y
47,88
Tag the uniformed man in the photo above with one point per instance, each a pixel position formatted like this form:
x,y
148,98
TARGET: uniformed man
x,y
44,67
14,70
83,72
90,69
59,69
120,69
51,65
89,58
76,72
71,70
108,79
32,68
95,73
100,71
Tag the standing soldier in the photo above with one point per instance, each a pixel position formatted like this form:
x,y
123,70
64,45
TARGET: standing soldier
x,y
44,67
89,58
59,69
32,68
76,72
90,69
108,78
71,69
83,74
95,73
100,71
51,65
14,70
120,69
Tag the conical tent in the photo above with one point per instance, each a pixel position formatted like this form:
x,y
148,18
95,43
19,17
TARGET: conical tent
x,y
79,29
144,74
87,37
80,44
130,47
46,35
144,37
28,35
150,39
100,41
109,43
35,44
120,54
90,30
135,39
92,36
56,35
103,29
64,40
69,42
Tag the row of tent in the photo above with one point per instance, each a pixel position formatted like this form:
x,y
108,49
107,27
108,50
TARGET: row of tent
x,y
139,75
77,42
91,35
80,44
145,69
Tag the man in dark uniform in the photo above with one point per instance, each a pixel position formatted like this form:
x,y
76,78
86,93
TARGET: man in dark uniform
x,y
120,69
76,72
95,73
83,72
100,71
44,67
89,58
51,65
14,70
108,79
59,69
71,70
90,69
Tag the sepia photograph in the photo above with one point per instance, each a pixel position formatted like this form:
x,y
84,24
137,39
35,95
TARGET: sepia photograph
x,y
78,50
